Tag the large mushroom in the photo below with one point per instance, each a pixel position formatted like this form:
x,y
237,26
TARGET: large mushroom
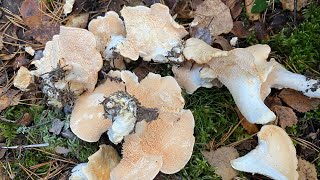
x,y
275,156
71,61
248,76
152,34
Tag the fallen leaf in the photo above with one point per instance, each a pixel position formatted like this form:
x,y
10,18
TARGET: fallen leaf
x,y
222,42
220,159
9,98
67,134
252,16
44,32
235,7
78,21
20,61
272,101
62,150
56,126
239,30
297,101
261,31
78,6
184,10
250,128
150,2
144,69
289,4
286,116
278,22
202,33
214,15
31,14
306,170
259,6
26,119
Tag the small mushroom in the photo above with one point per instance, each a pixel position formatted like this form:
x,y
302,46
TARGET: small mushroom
x,y
275,155
23,79
152,34
67,7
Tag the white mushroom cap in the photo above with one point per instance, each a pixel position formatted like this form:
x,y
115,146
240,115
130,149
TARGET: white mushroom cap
x,y
193,76
151,33
77,172
23,79
275,156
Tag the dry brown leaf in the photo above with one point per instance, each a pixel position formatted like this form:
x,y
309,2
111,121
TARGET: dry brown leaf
x,y
31,13
261,31
202,33
306,170
223,43
20,61
44,32
78,21
214,15
235,7
239,30
297,101
272,101
26,119
220,159
183,10
252,16
286,116
9,98
289,4
250,128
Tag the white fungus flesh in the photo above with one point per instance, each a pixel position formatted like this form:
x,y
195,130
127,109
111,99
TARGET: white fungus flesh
x,y
275,155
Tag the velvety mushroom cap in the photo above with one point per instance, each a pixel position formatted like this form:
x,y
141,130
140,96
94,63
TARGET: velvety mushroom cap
x,y
104,27
101,163
200,52
275,156
151,33
135,162
87,119
74,49
23,79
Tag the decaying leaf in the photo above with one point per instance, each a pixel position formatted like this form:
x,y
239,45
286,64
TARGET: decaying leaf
x,y
223,43
235,7
31,13
272,101
202,33
252,16
44,32
184,9
214,15
26,119
78,21
261,31
306,170
239,30
286,116
250,128
289,4
56,126
220,159
20,61
62,150
297,101
8,98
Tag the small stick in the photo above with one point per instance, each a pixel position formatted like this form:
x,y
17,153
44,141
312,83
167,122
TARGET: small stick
x,y
25,146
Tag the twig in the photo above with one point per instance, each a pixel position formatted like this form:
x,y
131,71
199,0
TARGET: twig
x,y
25,146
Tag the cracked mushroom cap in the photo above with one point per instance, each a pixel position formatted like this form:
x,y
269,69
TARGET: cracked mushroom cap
x,y
200,52
87,119
135,162
75,50
23,79
152,34
101,163
104,27
275,155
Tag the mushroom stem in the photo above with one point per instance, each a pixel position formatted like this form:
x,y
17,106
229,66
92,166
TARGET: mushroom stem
x,y
282,78
246,94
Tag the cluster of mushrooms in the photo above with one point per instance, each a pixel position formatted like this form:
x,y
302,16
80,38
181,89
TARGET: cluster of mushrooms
x,y
147,115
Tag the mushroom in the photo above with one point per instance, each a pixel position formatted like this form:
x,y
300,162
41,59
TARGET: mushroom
x,y
248,76
70,61
99,166
67,7
166,143
23,79
121,100
152,34
275,155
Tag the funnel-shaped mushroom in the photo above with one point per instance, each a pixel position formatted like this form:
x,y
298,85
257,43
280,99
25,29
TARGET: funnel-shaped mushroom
x,y
275,156
152,34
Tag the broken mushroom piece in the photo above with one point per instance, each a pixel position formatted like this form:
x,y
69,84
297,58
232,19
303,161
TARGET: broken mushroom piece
x,y
152,34
67,7
70,61
122,100
99,166
165,143
275,155
23,79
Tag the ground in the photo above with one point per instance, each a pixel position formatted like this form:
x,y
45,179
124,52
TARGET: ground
x,y
294,43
